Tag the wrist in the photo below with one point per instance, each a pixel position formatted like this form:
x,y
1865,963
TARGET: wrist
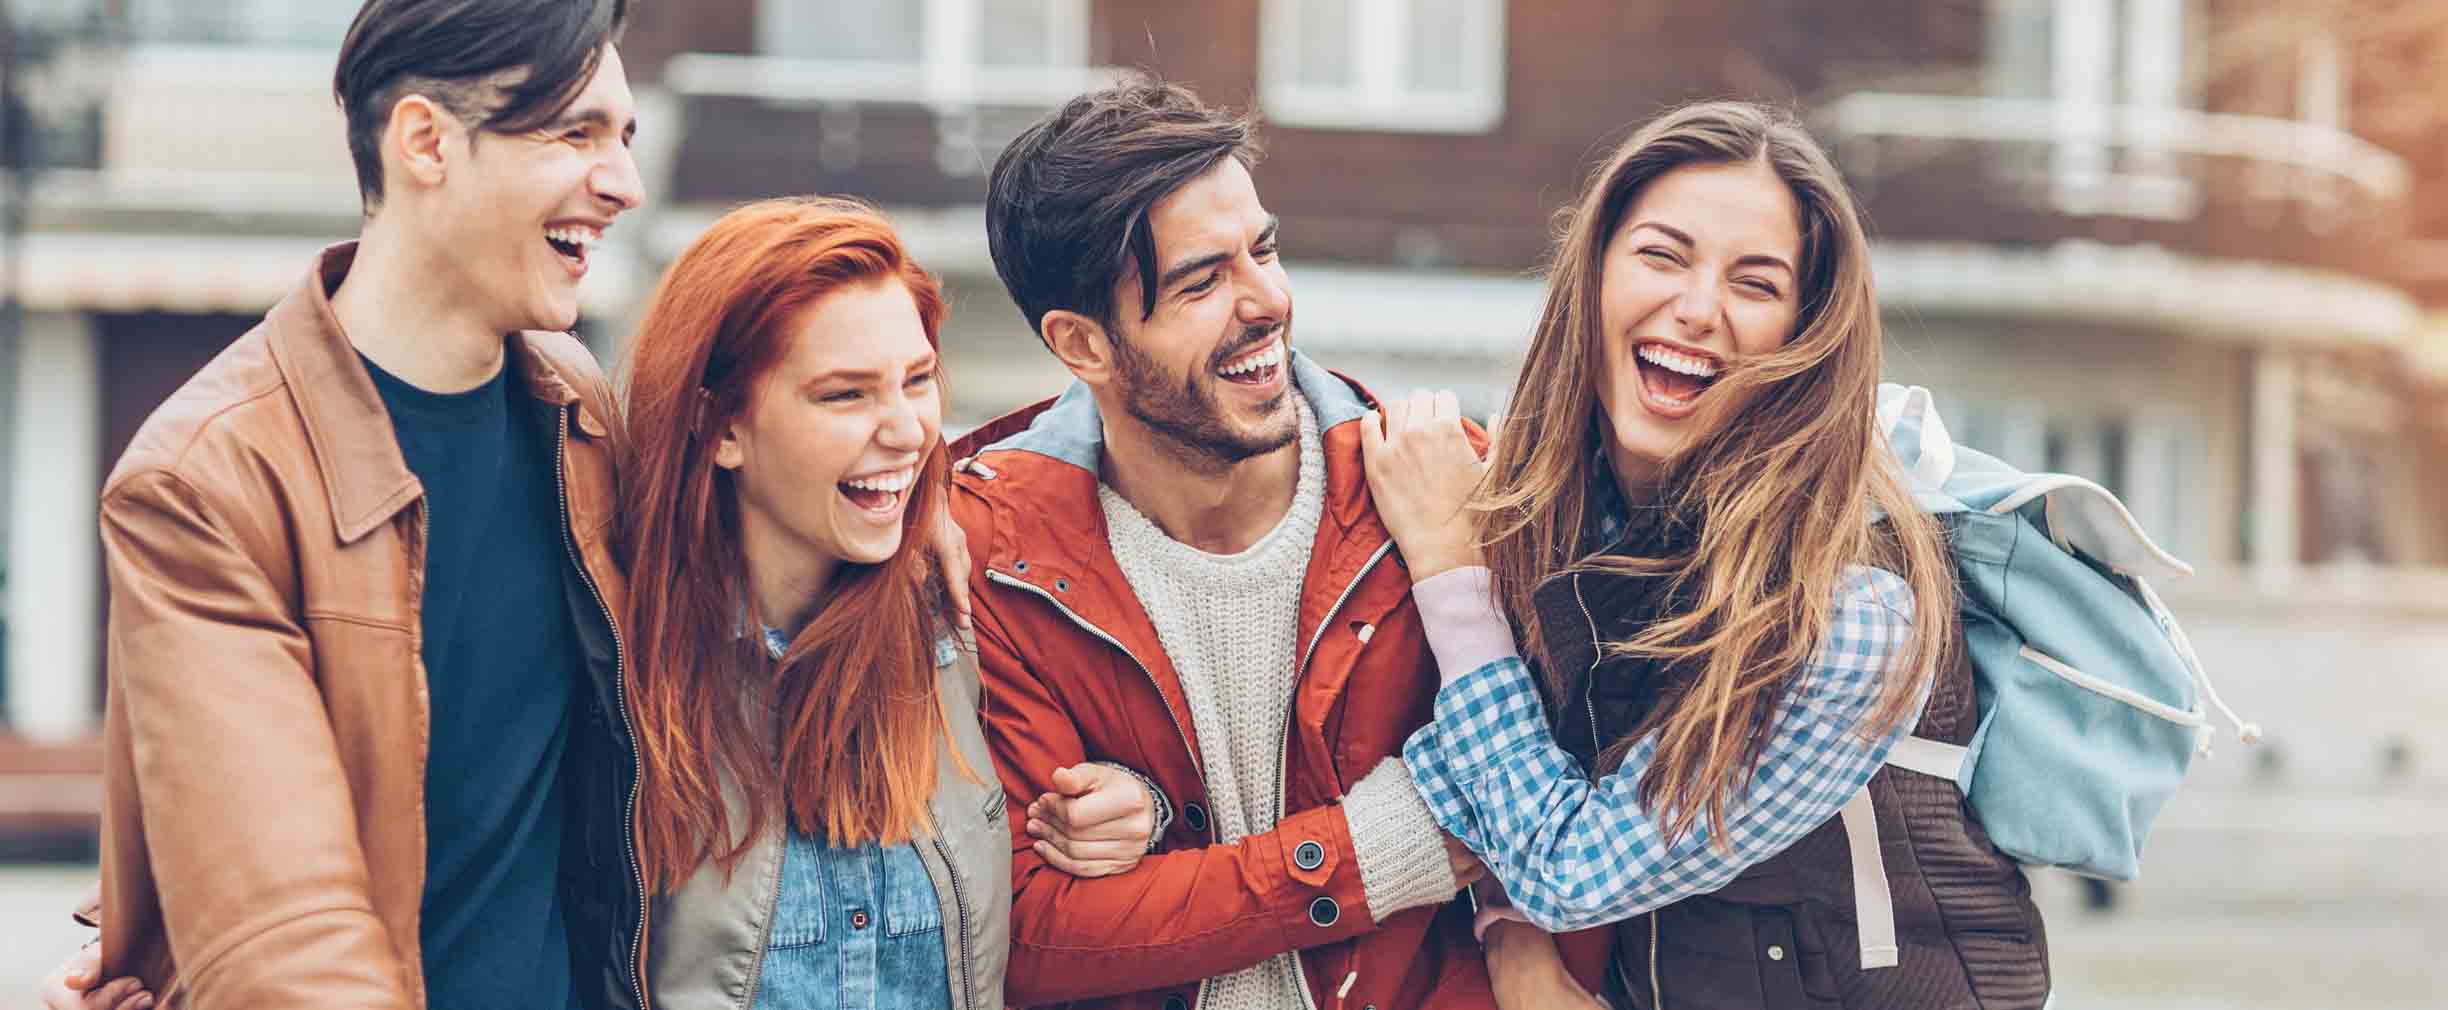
x,y
1438,559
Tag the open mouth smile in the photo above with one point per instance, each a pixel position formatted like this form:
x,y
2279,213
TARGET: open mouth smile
x,y
1261,366
573,243
1673,377
879,494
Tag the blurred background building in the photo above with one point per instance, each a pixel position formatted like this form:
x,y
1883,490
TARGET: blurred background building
x,y
2195,249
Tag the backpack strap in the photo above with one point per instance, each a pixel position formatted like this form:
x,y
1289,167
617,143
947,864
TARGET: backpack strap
x,y
1873,900
1930,757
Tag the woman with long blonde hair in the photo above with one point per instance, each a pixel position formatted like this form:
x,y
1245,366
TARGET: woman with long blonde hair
x,y
1718,585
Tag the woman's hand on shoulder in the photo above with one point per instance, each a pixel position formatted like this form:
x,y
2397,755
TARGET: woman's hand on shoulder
x,y
1422,471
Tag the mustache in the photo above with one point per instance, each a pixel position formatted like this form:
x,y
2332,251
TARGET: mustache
x,y
1250,337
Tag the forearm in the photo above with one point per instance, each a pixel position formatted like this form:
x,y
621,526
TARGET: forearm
x,y
1575,853
1182,915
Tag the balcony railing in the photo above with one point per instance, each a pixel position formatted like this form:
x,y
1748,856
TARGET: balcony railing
x,y
2135,149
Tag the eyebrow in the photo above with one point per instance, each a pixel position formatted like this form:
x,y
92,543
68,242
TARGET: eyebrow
x,y
1754,259
592,117
871,374
1175,275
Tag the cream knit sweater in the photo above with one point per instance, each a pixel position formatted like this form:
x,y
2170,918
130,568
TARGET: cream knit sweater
x,y
1230,625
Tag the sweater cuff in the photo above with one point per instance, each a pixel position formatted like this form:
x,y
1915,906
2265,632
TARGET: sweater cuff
x,y
1401,853
1160,808
1465,630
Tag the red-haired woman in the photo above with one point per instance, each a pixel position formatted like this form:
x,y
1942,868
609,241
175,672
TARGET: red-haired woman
x,y
818,817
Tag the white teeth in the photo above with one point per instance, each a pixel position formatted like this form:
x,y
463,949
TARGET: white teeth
x,y
1676,361
581,237
1273,355
894,482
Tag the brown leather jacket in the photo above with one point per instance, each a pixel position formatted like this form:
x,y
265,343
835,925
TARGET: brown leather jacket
x,y
263,831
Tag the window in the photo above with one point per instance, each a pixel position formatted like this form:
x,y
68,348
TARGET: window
x,y
305,24
946,37
2110,70
1404,65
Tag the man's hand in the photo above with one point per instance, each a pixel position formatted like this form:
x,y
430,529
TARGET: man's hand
x,y
1528,974
1422,472
71,986
951,549
1097,822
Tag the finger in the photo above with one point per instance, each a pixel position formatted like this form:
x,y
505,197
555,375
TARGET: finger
x,y
83,968
110,995
1396,410
1423,409
1372,435
956,586
1076,780
138,1000
1116,800
1448,408
1495,428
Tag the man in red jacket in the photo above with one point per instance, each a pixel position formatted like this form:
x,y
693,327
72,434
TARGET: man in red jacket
x,y
1178,571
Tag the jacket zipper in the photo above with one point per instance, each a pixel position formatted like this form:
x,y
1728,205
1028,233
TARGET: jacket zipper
x,y
1300,976
620,695
1195,764
1589,677
960,904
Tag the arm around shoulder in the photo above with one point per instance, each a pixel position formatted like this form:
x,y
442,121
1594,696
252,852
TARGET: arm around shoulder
x,y
243,805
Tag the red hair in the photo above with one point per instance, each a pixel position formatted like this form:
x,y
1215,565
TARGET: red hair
x,y
850,747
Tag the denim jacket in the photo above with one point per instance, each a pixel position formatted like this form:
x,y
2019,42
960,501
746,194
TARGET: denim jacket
x,y
711,938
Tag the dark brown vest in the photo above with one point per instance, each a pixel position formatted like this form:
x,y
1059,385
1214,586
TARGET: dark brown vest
x,y
1783,934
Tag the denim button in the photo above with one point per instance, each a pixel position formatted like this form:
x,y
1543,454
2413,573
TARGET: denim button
x,y
1324,912
1775,952
1195,816
1021,565
1309,855
858,918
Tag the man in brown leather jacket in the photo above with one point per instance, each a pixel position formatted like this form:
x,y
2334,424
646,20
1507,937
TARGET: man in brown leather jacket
x,y
360,572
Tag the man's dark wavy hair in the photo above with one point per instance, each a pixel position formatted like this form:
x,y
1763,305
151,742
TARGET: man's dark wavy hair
x,y
1067,205
503,66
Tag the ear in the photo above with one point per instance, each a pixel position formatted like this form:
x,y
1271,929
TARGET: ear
x,y
728,453
420,138
1082,344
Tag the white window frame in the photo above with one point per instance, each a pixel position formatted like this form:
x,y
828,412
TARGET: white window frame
x,y
950,68
1380,55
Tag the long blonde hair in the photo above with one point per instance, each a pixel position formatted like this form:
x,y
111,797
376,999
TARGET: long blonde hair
x,y
1782,484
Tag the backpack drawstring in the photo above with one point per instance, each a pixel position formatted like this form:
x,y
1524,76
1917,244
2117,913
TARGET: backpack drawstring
x,y
2247,732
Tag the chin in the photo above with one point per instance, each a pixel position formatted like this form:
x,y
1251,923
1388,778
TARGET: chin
x,y
872,552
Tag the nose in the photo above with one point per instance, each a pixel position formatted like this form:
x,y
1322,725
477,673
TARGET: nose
x,y
1698,307
616,179
902,428
1267,298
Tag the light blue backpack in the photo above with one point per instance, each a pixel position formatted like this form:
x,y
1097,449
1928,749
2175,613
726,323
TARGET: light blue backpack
x,y
2090,696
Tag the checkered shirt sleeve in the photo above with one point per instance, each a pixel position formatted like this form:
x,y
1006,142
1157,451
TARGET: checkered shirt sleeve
x,y
1574,853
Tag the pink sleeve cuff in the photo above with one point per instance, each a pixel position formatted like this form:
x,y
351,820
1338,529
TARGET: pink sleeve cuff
x,y
1465,630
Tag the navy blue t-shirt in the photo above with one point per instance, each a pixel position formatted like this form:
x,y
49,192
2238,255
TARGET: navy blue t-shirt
x,y
502,663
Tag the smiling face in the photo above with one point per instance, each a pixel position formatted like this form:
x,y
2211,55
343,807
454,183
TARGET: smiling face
x,y
519,214
830,443
1209,370
1699,272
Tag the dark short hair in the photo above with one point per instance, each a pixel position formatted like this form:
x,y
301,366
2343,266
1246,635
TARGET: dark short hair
x,y
1067,205
464,55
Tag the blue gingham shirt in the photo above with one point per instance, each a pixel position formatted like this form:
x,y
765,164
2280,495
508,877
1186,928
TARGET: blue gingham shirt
x,y
1574,853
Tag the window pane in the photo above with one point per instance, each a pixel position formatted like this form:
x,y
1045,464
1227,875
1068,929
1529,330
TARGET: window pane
x,y
1437,44
315,24
842,30
1325,43
1018,33
2021,48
